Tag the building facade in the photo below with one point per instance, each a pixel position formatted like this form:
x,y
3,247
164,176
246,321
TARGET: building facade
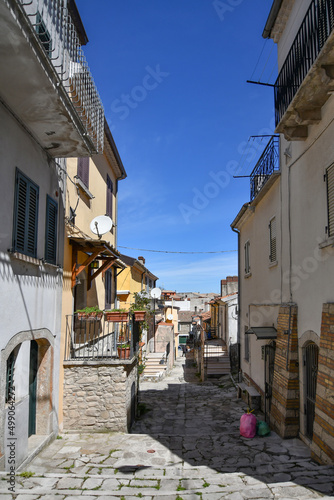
x,y
286,236
44,119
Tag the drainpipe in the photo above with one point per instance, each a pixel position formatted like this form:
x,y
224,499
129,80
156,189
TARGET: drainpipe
x,y
239,307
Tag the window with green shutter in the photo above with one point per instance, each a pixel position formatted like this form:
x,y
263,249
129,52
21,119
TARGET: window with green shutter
x,y
25,215
51,230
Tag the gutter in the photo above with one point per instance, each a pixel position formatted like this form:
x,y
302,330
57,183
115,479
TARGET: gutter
x,y
272,18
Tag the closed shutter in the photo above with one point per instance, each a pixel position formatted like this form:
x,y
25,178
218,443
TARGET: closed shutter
x,y
247,262
109,196
330,199
272,230
83,170
25,215
51,231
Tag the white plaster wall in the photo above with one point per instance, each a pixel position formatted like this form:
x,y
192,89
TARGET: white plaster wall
x,y
232,321
294,21
30,293
184,305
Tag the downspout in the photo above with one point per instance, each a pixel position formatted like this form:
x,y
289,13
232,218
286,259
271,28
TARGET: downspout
x,y
239,308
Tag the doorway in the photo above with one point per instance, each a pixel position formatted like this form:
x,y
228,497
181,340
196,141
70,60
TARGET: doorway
x,y
33,369
311,353
269,362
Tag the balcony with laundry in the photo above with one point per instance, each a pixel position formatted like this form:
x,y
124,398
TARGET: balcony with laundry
x,y
306,78
47,84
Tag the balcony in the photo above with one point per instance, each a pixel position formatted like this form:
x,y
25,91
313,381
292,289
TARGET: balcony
x,y
46,82
94,338
306,78
266,170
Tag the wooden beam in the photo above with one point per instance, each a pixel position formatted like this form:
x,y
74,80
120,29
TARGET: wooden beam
x,y
76,271
108,263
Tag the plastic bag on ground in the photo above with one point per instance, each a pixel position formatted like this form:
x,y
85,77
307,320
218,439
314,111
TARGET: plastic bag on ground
x,y
263,429
248,425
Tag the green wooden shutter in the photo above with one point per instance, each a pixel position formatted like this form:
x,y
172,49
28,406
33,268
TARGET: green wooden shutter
x,y
51,230
25,215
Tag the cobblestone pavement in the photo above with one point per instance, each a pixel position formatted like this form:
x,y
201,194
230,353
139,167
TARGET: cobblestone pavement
x,y
185,446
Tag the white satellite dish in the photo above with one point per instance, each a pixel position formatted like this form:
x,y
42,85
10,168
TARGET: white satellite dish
x,y
155,293
101,225
170,316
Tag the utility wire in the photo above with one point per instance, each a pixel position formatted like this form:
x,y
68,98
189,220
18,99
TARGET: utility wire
x,y
169,251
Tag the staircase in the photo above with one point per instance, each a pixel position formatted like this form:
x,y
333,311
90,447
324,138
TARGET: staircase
x,y
216,358
153,367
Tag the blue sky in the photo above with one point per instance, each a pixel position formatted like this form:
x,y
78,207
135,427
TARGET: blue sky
x,y
172,77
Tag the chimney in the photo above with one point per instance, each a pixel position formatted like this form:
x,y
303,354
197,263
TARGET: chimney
x,y
223,288
231,284
142,260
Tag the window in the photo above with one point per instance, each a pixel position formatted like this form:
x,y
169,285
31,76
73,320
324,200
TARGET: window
x,y
43,34
272,236
246,345
247,262
110,189
51,231
330,200
25,215
108,288
83,170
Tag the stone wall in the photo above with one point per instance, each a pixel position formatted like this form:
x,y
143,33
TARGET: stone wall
x,y
284,415
323,432
97,395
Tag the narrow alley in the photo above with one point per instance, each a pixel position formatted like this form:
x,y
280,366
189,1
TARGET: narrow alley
x,y
185,445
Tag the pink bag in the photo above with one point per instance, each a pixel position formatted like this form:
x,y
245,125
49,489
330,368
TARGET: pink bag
x,y
248,425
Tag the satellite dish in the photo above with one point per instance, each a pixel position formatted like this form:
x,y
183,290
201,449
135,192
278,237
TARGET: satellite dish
x,y
155,293
170,316
101,225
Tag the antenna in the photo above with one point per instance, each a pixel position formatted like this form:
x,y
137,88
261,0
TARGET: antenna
x,y
101,225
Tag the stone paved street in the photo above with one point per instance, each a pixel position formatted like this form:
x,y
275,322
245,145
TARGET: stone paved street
x,y
186,445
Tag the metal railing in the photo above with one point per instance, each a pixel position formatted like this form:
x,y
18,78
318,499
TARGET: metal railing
x,y
315,29
96,338
265,167
51,23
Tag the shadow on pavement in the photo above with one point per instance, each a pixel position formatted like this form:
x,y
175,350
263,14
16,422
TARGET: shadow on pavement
x,y
200,424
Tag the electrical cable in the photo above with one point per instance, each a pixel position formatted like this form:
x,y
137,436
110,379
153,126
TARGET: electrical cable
x,y
170,251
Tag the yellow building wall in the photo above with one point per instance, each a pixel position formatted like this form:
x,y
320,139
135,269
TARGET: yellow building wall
x,y
86,210
129,279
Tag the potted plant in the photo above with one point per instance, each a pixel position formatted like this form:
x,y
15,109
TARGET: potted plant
x,y
116,315
123,351
140,306
89,313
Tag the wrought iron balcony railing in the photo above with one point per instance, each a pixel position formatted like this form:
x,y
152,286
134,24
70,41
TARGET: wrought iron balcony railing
x,y
93,338
265,167
53,26
313,33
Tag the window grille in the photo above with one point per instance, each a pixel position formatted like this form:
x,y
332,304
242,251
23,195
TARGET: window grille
x,y
330,199
272,233
247,261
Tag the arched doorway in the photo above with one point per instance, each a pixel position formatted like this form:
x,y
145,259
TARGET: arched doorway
x,y
310,358
33,370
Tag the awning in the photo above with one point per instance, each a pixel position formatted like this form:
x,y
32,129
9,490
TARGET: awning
x,y
123,292
263,332
95,250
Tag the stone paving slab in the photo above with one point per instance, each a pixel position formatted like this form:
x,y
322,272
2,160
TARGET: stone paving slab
x,y
186,446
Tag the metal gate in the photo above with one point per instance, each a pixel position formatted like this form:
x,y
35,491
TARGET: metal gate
x,y
269,361
311,352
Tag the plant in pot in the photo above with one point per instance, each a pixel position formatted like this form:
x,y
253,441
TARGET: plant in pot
x,y
116,315
140,306
123,351
89,313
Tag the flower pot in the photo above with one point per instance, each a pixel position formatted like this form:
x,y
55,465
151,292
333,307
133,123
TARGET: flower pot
x,y
89,316
123,352
116,316
139,315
